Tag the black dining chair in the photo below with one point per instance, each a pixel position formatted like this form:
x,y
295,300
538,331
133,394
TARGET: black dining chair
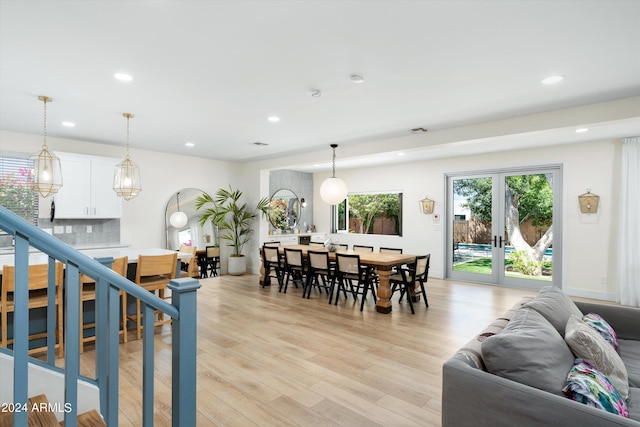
x,y
273,264
362,248
353,277
294,267
407,277
321,274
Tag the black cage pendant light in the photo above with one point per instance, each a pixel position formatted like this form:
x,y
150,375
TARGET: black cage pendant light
x,y
126,180
47,170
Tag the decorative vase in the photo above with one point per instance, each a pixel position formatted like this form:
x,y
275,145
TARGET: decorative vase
x,y
237,265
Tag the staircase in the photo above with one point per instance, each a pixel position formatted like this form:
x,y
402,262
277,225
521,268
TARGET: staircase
x,y
109,286
42,414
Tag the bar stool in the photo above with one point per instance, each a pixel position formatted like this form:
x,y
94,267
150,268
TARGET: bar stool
x,y
88,293
38,288
153,273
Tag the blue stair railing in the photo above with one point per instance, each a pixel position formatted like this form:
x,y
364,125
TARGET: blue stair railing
x,y
182,310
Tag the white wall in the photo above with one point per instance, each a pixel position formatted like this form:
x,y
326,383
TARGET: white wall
x,y
142,222
589,240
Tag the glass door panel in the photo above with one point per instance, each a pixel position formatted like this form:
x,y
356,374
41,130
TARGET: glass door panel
x,y
527,241
504,227
472,228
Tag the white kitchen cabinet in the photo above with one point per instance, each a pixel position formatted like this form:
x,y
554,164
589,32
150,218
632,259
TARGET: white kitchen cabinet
x,y
295,239
87,190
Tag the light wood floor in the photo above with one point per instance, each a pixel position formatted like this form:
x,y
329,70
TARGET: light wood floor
x,y
272,359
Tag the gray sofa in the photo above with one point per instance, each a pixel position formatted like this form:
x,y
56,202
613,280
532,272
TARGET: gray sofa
x,y
472,396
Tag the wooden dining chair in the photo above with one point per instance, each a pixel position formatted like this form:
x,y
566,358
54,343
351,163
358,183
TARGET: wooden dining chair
x,y
321,274
353,277
88,293
407,277
38,298
153,273
190,268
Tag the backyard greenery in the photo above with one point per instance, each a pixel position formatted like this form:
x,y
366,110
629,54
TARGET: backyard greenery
x,y
528,198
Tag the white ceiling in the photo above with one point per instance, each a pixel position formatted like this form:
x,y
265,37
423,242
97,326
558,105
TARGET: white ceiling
x,y
211,72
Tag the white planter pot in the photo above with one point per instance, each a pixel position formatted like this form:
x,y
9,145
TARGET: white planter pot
x,y
237,265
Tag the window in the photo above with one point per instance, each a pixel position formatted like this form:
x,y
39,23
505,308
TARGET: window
x,y
16,187
370,213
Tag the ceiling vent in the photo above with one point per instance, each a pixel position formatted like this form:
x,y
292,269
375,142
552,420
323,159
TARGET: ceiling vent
x,y
418,130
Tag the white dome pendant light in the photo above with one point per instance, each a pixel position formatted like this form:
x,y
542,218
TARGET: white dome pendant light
x,y
47,170
126,180
333,190
178,219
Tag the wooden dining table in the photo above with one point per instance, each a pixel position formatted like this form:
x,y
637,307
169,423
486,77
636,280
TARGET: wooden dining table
x,y
383,262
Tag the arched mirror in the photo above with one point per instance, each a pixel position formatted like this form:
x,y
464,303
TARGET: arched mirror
x,y
182,222
284,210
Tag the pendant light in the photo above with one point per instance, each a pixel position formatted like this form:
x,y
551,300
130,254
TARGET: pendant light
x,y
126,180
333,190
178,219
48,174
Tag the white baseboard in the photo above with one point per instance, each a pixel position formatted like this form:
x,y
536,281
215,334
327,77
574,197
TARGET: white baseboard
x,y
599,295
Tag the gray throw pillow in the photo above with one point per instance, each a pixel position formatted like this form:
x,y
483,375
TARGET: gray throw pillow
x,y
530,351
555,306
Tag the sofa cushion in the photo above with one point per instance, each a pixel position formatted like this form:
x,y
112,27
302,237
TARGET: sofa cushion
x,y
555,306
471,350
586,384
603,327
629,351
633,403
530,351
588,344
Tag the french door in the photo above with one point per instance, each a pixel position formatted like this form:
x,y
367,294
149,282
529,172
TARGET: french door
x,y
504,227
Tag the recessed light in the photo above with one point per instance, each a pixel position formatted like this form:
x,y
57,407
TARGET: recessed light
x,y
189,144
260,144
123,77
552,80
356,78
68,124
273,119
582,130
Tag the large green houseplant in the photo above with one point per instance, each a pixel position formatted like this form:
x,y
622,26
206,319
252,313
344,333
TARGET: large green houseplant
x,y
233,219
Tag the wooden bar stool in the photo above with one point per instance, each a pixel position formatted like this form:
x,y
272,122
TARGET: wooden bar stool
x,y
38,288
88,293
153,274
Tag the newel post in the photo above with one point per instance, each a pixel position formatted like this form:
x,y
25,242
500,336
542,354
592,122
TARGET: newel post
x,y
183,365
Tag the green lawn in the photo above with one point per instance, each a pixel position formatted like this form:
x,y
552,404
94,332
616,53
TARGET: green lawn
x,y
480,265
483,266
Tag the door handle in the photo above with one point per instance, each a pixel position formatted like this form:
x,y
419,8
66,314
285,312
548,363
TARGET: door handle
x,y
495,241
500,242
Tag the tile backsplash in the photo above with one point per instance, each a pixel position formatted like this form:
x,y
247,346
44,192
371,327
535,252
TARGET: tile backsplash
x,y
83,231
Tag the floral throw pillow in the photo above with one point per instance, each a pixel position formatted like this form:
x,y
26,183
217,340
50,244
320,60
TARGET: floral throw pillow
x,y
599,324
587,385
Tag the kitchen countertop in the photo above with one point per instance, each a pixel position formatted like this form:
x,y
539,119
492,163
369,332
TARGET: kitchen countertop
x,y
103,252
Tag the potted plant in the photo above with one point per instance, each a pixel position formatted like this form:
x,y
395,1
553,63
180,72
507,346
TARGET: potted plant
x,y
234,220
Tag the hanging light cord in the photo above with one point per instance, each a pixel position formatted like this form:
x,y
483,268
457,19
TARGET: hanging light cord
x,y
128,116
334,159
44,100
178,197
